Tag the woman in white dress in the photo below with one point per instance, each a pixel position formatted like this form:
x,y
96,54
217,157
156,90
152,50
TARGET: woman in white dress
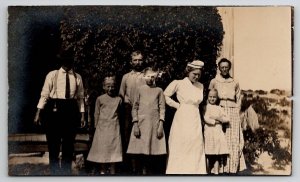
x,y
186,145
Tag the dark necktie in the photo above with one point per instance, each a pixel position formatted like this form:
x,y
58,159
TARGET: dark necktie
x,y
67,86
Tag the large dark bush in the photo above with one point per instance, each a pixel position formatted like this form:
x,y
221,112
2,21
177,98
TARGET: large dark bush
x,y
104,37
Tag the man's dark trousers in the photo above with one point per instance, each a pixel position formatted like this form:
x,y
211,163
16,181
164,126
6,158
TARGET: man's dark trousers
x,y
61,117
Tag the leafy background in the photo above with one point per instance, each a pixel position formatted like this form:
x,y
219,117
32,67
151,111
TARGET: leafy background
x,y
169,37
102,39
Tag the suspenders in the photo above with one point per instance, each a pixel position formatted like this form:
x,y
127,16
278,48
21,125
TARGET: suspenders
x,y
55,83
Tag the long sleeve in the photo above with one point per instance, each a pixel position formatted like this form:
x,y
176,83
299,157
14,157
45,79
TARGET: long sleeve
x,y
123,87
97,111
80,93
135,107
46,90
215,113
223,117
169,91
208,118
161,105
238,95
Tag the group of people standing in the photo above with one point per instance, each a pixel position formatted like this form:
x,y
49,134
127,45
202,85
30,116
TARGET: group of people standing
x,y
141,105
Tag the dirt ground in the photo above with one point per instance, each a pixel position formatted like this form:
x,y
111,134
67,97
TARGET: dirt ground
x,y
264,166
37,165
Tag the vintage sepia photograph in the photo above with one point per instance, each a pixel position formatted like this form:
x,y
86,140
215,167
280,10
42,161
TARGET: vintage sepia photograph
x,y
150,90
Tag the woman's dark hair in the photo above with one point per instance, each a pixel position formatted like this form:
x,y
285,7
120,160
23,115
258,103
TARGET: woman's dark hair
x,y
224,60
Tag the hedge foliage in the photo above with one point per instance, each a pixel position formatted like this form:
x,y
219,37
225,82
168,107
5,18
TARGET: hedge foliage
x,y
103,38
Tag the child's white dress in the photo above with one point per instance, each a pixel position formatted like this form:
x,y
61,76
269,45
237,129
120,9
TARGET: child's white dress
x,y
214,137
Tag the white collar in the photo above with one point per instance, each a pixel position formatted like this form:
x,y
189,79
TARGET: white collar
x,y
64,71
135,72
219,78
196,84
187,80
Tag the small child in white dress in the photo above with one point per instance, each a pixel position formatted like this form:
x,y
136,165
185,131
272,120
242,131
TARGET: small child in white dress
x,y
216,148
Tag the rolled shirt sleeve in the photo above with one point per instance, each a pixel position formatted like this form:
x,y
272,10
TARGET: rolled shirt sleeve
x,y
46,90
80,93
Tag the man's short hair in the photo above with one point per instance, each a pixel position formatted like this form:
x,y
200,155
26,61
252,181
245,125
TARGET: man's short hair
x,y
135,53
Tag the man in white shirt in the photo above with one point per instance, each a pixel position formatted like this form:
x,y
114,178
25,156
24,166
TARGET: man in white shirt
x,y
61,107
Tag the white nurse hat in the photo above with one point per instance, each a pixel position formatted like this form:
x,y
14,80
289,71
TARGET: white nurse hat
x,y
196,64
